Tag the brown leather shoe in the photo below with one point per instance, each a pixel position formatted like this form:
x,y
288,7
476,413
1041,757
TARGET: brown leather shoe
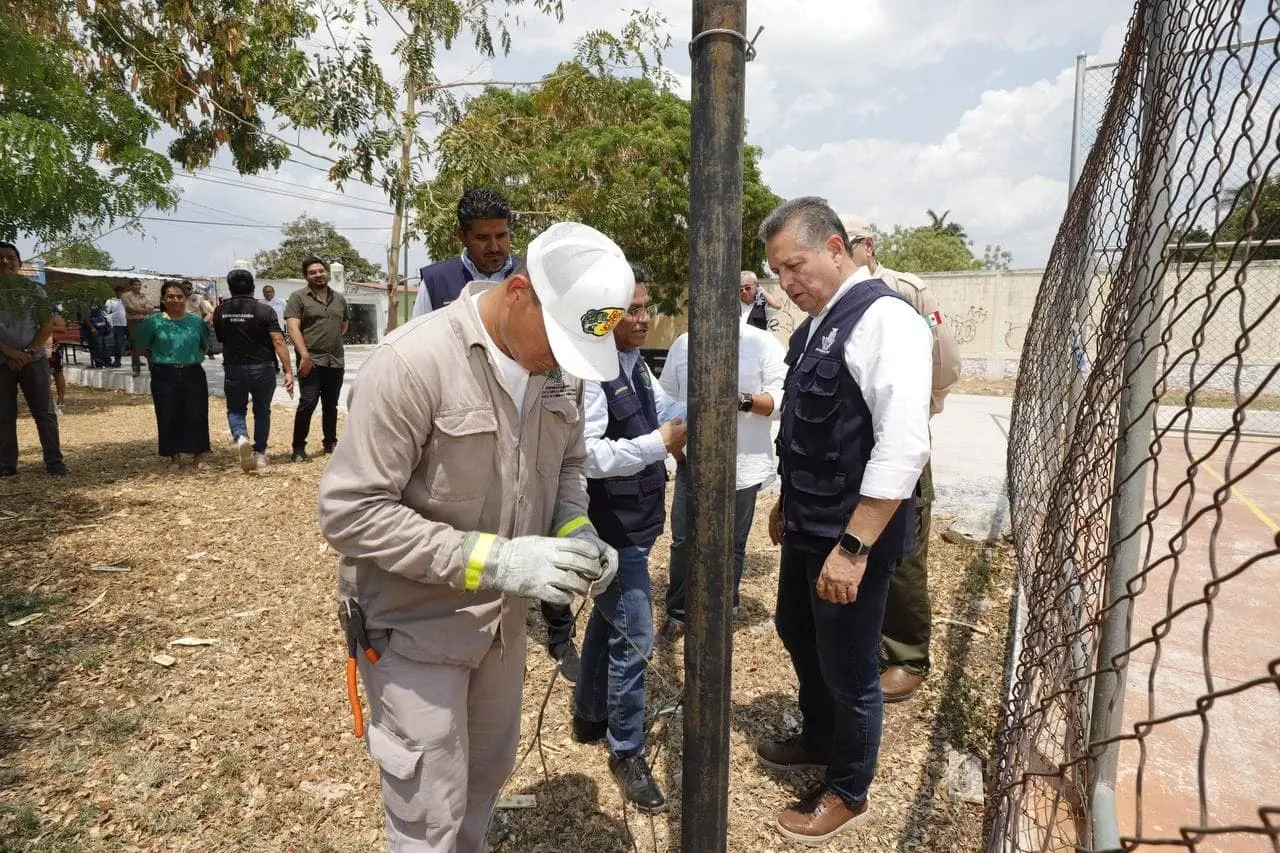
x,y
789,754
820,816
899,684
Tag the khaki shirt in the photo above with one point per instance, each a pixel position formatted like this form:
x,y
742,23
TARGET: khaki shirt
x,y
136,306
433,448
946,352
321,324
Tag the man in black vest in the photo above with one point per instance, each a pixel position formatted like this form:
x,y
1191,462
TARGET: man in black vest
x,y
252,341
853,440
484,229
631,426
756,301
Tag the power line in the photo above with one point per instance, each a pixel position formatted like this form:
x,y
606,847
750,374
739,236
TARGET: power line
x,y
249,224
337,193
270,191
182,201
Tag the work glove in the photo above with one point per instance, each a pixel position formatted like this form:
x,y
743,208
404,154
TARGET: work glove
x,y
575,525
552,570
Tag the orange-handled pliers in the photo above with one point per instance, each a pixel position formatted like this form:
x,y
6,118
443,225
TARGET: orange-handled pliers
x,y
351,617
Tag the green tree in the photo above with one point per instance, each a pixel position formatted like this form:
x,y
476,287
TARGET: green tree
x,y
924,249
996,257
1253,216
307,235
78,253
939,223
73,140
611,152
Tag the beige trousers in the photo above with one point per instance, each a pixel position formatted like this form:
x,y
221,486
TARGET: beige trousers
x,y
444,738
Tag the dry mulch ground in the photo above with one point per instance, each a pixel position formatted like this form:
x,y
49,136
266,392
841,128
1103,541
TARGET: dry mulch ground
x,y
246,744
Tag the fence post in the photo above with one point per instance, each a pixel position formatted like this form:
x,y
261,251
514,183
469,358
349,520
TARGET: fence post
x,y
1137,414
715,257
1077,127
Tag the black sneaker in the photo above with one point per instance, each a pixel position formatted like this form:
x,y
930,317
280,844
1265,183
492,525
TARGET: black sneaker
x,y
589,731
635,780
57,469
300,456
566,657
329,446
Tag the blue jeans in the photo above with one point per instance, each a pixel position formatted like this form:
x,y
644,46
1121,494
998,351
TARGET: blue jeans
x,y
243,381
835,649
744,512
616,649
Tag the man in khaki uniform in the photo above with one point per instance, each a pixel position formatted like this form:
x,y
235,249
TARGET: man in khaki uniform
x,y
456,496
904,642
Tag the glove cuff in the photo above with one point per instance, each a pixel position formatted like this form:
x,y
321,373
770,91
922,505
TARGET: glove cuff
x,y
574,527
476,548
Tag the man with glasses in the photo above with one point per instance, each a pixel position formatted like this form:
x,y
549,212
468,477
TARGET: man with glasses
x,y
756,301
631,426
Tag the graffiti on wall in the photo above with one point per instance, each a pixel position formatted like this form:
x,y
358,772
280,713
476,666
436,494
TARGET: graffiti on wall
x,y
966,325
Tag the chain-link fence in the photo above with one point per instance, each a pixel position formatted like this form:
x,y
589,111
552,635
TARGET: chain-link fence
x,y
1144,700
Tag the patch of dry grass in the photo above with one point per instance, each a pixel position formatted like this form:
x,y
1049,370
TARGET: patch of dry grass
x,y
103,749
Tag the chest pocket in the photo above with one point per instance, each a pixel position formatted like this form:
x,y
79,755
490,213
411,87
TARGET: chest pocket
x,y
559,425
818,381
461,453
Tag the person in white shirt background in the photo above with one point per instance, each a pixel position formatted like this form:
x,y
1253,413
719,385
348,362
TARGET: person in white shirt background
x,y
277,304
757,304
761,370
119,324
853,440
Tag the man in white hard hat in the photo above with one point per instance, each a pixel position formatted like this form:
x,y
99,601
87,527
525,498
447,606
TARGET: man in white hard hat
x,y
904,640
456,496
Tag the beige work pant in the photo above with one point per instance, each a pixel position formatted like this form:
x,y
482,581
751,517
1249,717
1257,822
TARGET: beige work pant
x,y
445,739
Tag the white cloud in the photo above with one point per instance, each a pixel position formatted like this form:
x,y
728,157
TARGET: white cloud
x,y
990,171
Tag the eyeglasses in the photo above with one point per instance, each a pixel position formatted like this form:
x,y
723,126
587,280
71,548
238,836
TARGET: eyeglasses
x,y
641,311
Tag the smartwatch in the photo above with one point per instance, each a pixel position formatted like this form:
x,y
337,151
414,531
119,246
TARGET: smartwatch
x,y
746,402
853,546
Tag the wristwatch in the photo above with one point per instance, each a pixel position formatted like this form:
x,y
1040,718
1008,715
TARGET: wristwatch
x,y
746,402
853,546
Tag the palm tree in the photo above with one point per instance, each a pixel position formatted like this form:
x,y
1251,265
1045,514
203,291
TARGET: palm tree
x,y
938,222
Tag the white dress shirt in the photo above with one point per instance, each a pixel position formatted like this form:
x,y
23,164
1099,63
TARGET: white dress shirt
x,y
277,305
115,310
890,356
623,457
761,370
515,379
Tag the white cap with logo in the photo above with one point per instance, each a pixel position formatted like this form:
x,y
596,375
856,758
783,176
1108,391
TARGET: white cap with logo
x,y
585,284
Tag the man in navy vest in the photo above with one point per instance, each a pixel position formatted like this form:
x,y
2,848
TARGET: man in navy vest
x,y
853,440
631,426
484,229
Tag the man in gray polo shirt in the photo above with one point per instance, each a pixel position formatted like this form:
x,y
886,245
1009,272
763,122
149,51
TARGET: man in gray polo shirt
x,y
26,323
317,318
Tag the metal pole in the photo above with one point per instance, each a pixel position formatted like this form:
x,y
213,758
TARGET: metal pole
x,y
1137,411
715,257
1077,127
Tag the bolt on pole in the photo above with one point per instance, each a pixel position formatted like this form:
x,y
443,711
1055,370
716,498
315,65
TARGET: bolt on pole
x,y
715,257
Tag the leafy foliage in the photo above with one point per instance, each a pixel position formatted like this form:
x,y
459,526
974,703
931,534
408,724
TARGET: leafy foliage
x,y
611,152
78,253
23,297
996,257
924,249
307,235
60,110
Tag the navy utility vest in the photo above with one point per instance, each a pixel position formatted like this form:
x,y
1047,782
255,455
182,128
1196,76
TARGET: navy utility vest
x,y
445,281
629,510
757,316
826,434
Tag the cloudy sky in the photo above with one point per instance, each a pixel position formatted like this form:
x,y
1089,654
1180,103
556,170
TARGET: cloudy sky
x,y
886,107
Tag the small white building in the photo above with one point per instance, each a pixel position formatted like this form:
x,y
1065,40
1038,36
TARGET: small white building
x,y
368,302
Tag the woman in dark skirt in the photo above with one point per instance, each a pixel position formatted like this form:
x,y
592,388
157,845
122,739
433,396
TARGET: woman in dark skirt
x,y
174,342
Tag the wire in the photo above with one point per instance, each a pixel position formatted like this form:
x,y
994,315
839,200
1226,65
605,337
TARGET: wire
x,y
175,220
337,193
270,191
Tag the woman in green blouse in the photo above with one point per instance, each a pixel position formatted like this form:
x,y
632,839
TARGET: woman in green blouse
x,y
174,343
